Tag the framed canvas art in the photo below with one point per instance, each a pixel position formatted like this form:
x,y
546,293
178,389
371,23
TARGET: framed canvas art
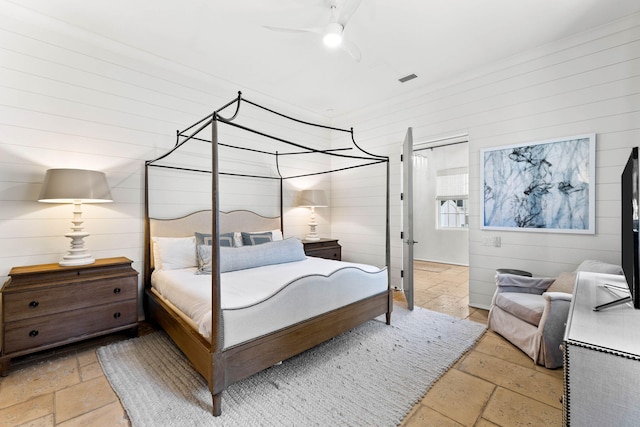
x,y
544,186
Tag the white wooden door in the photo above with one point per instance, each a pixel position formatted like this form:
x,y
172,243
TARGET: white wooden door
x,y
407,217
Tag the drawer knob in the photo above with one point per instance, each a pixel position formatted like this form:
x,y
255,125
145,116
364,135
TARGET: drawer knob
x,y
116,290
34,304
116,315
34,333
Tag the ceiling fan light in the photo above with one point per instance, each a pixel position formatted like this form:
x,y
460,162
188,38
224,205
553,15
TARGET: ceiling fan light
x,y
333,35
332,40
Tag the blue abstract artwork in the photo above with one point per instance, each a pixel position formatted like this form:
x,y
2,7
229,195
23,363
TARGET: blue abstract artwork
x,y
542,186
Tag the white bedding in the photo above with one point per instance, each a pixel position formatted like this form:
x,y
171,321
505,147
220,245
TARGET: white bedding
x,y
261,300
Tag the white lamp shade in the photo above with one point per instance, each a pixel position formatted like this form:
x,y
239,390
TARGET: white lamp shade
x,y
312,198
70,185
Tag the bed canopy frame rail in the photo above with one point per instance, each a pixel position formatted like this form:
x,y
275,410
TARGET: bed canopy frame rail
x,y
215,366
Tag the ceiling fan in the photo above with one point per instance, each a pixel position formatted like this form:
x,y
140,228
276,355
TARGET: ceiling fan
x,y
333,32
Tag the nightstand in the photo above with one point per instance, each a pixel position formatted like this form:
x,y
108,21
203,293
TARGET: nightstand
x,y
45,306
323,248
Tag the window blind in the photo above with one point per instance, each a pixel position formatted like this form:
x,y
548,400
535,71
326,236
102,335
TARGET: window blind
x,y
452,184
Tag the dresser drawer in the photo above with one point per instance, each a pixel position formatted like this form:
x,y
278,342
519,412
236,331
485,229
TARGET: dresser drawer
x,y
328,253
70,325
65,297
323,248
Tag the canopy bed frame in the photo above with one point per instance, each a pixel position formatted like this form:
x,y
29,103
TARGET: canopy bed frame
x,y
223,366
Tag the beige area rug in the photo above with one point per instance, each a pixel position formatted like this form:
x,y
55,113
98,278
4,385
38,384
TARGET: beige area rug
x,y
370,376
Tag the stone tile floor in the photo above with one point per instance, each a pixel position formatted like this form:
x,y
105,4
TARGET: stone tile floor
x,y
494,384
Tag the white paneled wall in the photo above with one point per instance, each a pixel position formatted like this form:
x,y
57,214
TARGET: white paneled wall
x,y
588,83
72,100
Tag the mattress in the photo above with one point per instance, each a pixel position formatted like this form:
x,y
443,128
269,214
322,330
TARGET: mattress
x,y
261,300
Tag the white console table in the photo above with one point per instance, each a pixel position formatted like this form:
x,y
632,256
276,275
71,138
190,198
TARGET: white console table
x,y
601,357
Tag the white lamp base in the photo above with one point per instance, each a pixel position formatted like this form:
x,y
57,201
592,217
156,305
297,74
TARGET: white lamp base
x,y
68,261
78,254
313,236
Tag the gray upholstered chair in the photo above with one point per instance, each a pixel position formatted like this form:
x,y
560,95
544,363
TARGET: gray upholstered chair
x,y
531,312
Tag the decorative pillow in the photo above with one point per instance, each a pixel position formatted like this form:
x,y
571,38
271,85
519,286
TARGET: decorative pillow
x,y
204,259
540,284
276,235
563,283
599,267
252,239
288,250
226,239
205,239
172,253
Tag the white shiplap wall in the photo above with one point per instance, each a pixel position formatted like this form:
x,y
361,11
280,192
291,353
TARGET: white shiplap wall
x,y
72,100
587,83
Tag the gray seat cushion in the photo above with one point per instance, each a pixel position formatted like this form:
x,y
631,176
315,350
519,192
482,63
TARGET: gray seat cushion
x,y
528,307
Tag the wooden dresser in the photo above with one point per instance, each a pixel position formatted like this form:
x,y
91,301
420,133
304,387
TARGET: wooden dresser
x,y
45,306
323,248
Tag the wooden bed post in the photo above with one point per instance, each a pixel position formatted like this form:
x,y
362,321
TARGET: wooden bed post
x,y
281,206
217,379
281,193
147,231
388,250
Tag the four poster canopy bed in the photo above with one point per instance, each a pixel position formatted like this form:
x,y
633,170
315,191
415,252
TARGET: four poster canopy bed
x,y
230,291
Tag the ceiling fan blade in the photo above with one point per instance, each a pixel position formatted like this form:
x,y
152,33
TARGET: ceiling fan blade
x,y
294,30
352,50
346,9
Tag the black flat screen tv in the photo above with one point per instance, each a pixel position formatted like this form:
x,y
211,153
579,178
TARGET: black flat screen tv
x,y
630,200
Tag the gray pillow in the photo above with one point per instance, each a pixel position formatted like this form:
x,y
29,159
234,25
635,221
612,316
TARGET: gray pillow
x,y
278,252
252,239
232,259
226,239
203,257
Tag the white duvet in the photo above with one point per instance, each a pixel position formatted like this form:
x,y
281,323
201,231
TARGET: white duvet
x,y
261,300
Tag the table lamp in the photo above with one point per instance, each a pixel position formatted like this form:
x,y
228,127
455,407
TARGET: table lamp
x,y
312,199
75,186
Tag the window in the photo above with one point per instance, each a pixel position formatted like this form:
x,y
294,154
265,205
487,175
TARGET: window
x,y
453,213
452,192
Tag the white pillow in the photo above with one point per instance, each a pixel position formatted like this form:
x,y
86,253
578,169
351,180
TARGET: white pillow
x,y
276,234
172,253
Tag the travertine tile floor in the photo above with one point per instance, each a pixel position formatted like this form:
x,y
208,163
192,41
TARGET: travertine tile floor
x,y
494,384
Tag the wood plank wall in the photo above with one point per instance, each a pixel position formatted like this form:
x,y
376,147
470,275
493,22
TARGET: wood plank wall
x,y
587,83
73,100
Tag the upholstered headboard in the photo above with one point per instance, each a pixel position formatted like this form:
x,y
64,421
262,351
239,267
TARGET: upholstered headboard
x,y
241,220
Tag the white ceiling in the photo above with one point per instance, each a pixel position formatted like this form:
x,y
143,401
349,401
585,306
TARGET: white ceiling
x,y
434,39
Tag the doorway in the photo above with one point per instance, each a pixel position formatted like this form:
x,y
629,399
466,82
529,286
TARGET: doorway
x,y
440,225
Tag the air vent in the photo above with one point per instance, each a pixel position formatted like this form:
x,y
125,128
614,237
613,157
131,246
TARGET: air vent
x,y
407,78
